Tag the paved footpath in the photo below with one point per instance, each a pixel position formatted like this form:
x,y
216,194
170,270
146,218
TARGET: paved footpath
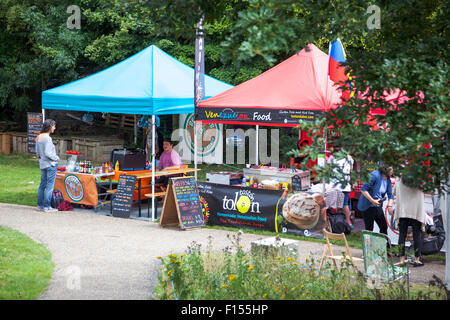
x,y
102,257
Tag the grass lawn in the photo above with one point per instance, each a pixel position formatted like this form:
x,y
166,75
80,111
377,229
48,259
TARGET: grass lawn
x,y
25,266
19,179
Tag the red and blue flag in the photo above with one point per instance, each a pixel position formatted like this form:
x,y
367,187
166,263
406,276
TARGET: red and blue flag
x,y
336,70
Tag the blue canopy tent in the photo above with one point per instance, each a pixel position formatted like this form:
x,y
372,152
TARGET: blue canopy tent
x,y
151,82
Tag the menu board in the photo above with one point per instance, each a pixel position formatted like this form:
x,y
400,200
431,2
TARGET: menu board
x,y
296,183
123,199
182,204
34,129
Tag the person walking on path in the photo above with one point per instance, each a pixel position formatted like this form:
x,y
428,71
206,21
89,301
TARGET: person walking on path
x,y
48,163
372,197
409,211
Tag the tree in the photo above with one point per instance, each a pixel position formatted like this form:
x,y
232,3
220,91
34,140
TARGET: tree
x,y
409,51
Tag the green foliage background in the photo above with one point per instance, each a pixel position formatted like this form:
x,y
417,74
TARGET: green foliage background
x,y
245,38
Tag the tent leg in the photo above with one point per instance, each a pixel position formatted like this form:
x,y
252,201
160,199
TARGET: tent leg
x,y
257,145
195,149
43,115
153,167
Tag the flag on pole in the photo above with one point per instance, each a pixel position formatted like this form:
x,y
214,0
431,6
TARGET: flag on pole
x,y
199,69
336,71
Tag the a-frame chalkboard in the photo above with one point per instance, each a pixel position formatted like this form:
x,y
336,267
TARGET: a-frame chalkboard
x,y
123,199
182,205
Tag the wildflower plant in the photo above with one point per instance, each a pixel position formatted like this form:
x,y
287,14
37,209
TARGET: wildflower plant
x,y
233,274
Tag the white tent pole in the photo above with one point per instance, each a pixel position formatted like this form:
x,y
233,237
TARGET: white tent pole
x,y
43,115
257,145
325,129
195,149
447,241
153,166
135,129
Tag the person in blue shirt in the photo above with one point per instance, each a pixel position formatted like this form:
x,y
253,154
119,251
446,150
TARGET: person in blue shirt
x,y
373,192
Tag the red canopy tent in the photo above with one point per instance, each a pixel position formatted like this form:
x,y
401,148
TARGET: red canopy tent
x,y
296,89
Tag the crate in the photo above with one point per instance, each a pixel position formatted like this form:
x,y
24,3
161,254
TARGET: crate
x,y
261,174
227,178
124,121
276,246
61,146
19,142
6,143
96,149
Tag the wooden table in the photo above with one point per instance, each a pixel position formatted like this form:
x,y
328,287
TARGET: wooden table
x,y
148,174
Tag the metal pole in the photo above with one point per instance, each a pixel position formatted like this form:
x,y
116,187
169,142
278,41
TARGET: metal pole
x,y
325,129
153,166
43,115
195,149
257,145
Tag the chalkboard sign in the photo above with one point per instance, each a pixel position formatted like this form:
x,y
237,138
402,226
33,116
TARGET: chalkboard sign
x,y
182,204
123,199
34,129
296,183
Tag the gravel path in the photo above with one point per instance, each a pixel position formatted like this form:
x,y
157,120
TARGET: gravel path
x,y
102,257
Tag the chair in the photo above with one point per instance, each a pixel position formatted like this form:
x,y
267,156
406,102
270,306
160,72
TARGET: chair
x,y
378,266
328,251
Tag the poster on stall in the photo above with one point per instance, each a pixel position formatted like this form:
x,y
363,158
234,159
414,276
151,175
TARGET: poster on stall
x,y
34,122
260,209
210,137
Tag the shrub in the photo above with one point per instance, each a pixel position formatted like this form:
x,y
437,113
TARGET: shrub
x,y
237,275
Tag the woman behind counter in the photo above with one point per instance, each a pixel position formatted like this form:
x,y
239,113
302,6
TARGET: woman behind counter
x,y
48,163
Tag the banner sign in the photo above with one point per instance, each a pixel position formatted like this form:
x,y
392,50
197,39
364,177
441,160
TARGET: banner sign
x,y
238,207
259,209
199,70
284,117
78,188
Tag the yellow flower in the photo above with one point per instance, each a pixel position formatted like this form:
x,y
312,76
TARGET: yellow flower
x,y
250,268
172,256
295,264
224,286
290,259
302,286
265,295
158,257
232,277
169,272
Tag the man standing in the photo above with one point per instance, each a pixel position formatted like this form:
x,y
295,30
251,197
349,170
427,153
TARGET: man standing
x,y
345,165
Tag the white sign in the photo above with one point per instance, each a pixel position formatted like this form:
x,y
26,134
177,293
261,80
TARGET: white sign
x,y
210,137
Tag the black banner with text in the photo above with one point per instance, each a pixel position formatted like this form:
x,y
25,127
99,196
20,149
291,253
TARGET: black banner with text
x,y
283,118
260,209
